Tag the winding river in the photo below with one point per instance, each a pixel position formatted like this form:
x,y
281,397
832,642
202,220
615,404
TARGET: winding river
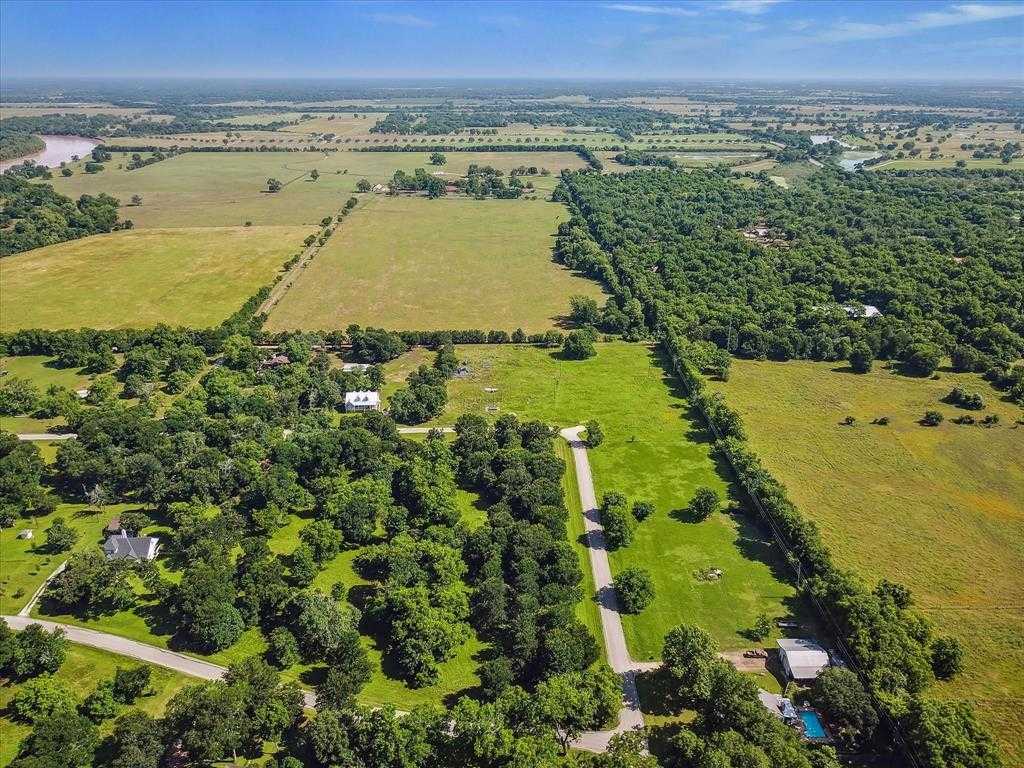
x,y
59,149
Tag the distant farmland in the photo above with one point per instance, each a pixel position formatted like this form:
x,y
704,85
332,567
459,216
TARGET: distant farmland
x,y
194,277
419,264
222,189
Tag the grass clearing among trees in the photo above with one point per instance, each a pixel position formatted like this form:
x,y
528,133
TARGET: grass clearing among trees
x,y
82,670
419,264
939,509
654,449
193,277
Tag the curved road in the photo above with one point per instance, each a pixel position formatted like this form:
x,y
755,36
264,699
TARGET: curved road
x,y
630,716
161,657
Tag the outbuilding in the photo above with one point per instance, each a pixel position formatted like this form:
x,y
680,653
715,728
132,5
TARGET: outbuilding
x,y
362,400
802,659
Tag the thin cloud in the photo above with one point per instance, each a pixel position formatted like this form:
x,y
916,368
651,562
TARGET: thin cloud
x,y
954,15
403,20
750,7
653,10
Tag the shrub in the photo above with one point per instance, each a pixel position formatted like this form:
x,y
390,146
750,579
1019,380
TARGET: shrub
x,y
579,345
704,502
617,522
932,418
642,510
635,589
595,435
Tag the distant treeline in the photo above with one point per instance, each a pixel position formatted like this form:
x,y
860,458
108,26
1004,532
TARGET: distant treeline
x,y
96,126
439,120
34,215
14,145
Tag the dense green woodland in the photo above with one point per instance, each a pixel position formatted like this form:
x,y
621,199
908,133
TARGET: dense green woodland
x,y
670,248
940,255
218,477
14,144
33,215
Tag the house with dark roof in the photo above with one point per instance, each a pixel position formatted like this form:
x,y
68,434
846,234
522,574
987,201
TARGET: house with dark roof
x,y
125,547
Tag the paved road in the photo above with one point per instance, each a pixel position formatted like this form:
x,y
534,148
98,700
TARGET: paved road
x,y
39,436
161,657
422,430
630,716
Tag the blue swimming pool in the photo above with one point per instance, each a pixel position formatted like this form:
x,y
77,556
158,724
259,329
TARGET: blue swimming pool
x,y
812,725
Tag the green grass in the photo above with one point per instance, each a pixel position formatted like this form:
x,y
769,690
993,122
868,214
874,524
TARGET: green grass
x,y
194,277
948,162
43,373
655,450
82,670
145,622
228,188
938,509
587,611
414,263
25,563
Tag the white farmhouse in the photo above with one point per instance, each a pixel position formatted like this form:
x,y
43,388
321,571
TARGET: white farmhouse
x,y
362,400
802,659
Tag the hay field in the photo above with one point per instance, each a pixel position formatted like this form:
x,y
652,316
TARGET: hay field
x,y
940,509
222,189
413,263
194,277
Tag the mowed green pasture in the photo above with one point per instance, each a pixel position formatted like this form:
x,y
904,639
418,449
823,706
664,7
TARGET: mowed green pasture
x,y
83,669
418,264
218,189
654,449
939,509
193,277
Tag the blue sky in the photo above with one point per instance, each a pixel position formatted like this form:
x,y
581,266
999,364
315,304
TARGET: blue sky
x,y
802,39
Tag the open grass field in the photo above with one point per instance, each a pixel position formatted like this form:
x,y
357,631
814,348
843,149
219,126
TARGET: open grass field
x,y
83,669
219,189
925,164
653,450
194,277
415,263
938,509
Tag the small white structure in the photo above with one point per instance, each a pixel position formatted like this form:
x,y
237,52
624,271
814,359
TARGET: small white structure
x,y
355,367
869,310
125,547
802,659
82,393
26,534
362,400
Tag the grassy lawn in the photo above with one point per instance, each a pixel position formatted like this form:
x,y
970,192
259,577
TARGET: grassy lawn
x,y
194,277
228,188
82,670
653,449
26,564
146,623
939,509
414,263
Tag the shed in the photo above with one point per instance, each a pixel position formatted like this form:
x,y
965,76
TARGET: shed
x,y
26,534
362,400
802,659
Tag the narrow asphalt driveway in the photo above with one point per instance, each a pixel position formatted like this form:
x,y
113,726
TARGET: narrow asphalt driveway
x,y
630,716
161,657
